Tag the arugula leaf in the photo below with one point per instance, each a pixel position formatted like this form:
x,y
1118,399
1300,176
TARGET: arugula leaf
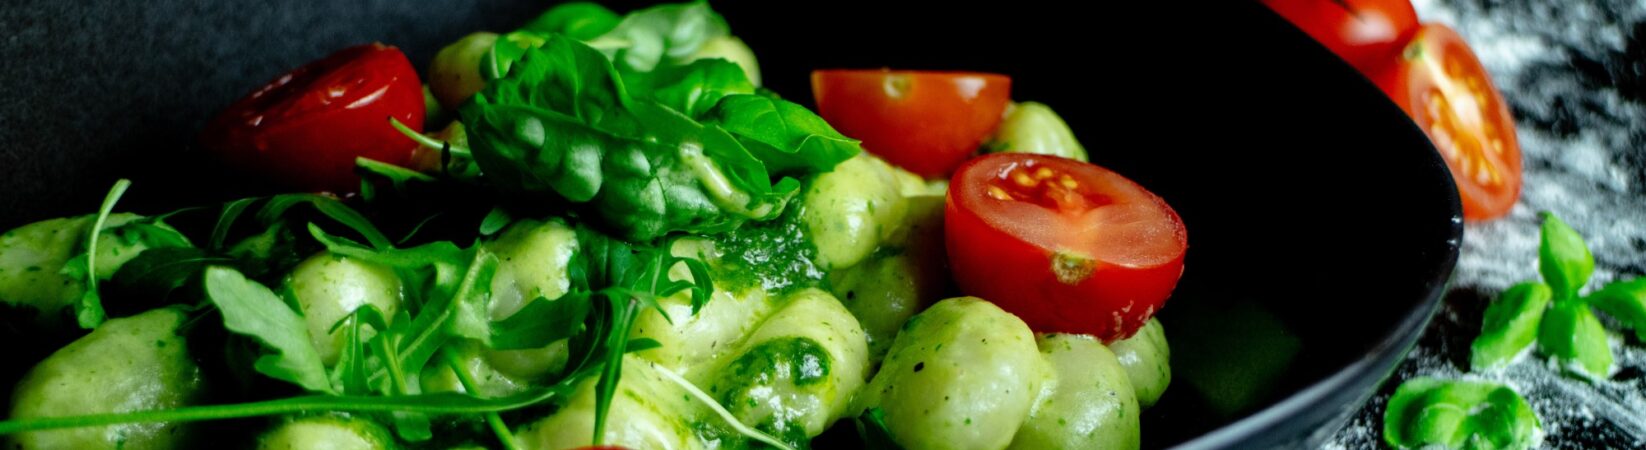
x,y
787,137
225,221
88,309
1430,412
495,221
1563,258
157,272
1511,325
871,428
662,35
252,310
1572,335
542,322
1626,301
277,206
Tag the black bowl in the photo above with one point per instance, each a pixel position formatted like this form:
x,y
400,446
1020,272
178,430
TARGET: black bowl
x,y
1322,225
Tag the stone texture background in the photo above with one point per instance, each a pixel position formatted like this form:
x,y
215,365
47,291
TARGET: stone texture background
x,y
1574,72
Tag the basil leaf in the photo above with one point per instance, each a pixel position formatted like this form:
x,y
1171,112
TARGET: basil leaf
x,y
578,20
1563,258
690,89
1572,335
1429,412
252,310
662,35
787,137
495,221
1511,325
1626,301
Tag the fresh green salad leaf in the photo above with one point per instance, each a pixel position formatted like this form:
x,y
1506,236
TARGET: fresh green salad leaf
x,y
252,310
1430,412
691,89
88,310
1573,336
1626,301
662,35
645,168
1511,325
542,322
578,20
1563,258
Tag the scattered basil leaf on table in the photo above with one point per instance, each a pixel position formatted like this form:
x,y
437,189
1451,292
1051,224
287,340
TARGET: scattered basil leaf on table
x,y
1573,336
1563,258
1624,301
1429,412
1510,326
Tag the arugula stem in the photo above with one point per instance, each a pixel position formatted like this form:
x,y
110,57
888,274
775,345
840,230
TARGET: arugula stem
x,y
425,404
721,410
493,420
90,312
426,141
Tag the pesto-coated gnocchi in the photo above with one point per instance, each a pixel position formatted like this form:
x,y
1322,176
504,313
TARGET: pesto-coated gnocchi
x,y
798,371
1088,403
1147,360
649,412
137,363
1032,127
962,375
329,432
328,288
850,210
454,75
32,257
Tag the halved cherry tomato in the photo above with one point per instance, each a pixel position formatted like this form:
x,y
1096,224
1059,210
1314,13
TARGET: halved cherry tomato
x,y
1441,84
1366,33
1067,246
305,128
926,122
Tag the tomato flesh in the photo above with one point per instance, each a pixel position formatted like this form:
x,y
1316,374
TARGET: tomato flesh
x,y
925,122
1440,83
304,129
1067,246
1365,33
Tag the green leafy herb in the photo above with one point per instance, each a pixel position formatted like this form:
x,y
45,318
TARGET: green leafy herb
x,y
1511,325
1427,412
662,35
642,166
157,272
541,322
495,221
1563,258
252,310
1626,301
1573,336
88,310
871,428
578,20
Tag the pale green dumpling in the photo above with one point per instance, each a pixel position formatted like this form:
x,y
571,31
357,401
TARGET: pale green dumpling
x,y
851,210
328,288
1087,405
137,363
1147,360
798,371
962,375
1031,127
327,433
32,258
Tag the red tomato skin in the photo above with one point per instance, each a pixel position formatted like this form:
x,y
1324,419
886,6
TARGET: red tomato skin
x,y
939,120
1365,33
1408,81
1110,304
304,129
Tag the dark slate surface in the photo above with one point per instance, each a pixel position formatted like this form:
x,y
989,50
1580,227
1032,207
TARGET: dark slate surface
x,y
216,65
1574,72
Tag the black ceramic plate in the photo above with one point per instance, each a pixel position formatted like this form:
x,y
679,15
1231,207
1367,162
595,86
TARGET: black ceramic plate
x,y
1322,226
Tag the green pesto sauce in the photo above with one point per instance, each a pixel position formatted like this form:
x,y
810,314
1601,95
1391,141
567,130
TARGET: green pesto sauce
x,y
750,385
776,255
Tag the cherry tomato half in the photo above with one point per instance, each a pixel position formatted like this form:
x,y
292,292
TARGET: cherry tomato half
x,y
304,129
926,122
1068,246
1441,84
1366,33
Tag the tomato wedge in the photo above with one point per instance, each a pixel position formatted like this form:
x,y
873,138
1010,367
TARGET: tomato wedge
x,y
1069,247
1441,84
925,122
304,129
1366,33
